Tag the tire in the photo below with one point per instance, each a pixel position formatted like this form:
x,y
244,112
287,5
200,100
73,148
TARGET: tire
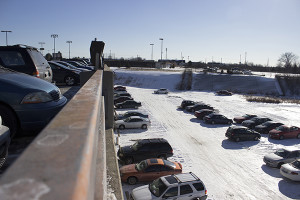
x,y
281,137
9,119
3,156
122,127
237,139
128,160
70,80
163,157
144,126
132,180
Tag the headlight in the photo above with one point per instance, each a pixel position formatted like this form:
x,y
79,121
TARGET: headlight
x,y
36,97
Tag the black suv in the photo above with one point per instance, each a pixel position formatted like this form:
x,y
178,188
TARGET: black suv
x,y
25,59
144,149
238,133
186,103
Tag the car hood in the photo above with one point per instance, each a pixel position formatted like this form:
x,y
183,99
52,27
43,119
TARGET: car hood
x,y
273,157
24,81
128,169
142,193
260,127
248,122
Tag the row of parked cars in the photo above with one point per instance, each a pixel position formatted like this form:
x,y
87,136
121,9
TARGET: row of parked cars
x,y
146,161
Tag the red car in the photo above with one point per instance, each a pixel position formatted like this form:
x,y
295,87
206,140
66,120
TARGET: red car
x,y
148,170
239,120
120,88
202,113
284,131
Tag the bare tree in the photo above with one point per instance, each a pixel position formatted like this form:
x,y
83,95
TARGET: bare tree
x,y
287,59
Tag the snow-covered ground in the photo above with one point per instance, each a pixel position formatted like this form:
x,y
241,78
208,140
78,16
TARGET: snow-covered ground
x,y
229,170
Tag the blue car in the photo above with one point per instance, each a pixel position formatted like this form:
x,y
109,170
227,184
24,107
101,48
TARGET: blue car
x,y
27,103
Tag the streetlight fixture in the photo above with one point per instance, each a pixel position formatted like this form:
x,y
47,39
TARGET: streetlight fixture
x,y
54,36
41,43
69,42
6,35
161,53
152,52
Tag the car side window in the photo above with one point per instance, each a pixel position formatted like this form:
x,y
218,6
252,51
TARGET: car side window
x,y
198,186
172,192
153,168
185,189
165,168
293,154
12,58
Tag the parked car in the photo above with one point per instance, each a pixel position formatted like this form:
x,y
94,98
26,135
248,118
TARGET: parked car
x,y
148,170
63,74
4,142
186,103
281,156
128,104
264,128
120,88
144,149
202,113
291,170
122,99
83,68
238,133
126,94
239,120
71,66
79,65
251,123
215,118
161,91
131,113
284,131
25,59
198,106
27,102
133,122
185,186
224,93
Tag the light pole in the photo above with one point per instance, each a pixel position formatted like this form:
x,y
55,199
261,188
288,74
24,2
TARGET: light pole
x,y
69,42
6,35
54,36
152,52
161,48
41,43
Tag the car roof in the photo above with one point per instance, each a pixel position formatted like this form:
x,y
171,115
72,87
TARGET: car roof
x,y
153,140
180,178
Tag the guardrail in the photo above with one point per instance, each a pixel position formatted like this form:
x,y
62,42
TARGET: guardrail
x,y
67,160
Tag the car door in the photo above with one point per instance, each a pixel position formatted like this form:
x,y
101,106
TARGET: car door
x,y
144,152
152,172
130,123
185,192
58,73
171,193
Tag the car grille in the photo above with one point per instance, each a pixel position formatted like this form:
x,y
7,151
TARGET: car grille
x,y
55,94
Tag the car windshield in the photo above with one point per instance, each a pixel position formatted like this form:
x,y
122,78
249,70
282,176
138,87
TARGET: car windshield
x,y
141,166
296,164
282,153
282,128
268,123
246,116
135,146
157,187
169,164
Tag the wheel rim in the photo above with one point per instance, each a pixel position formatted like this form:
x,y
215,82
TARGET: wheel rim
x,y
281,137
144,126
132,180
121,127
70,80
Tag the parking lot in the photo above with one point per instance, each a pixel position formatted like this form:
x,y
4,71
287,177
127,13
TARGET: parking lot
x,y
230,170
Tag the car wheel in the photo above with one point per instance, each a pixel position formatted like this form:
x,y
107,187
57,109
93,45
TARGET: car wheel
x,y
128,160
229,122
135,107
279,165
256,138
70,80
121,127
237,139
144,126
212,122
163,157
9,119
281,137
298,136
132,180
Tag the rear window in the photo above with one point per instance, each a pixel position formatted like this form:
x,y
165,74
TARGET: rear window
x,y
12,58
185,189
198,186
37,58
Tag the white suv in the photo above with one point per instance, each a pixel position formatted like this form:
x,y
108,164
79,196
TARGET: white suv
x,y
161,91
185,186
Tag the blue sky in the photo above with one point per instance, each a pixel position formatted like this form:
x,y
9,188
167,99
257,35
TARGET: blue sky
x,y
200,30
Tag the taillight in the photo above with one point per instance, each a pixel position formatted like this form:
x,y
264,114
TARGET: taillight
x,y
205,192
294,173
36,74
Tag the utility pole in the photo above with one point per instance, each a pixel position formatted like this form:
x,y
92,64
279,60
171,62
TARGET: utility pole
x,y
54,36
6,35
41,43
152,52
161,53
245,58
69,42
166,53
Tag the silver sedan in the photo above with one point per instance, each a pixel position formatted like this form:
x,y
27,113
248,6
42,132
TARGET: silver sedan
x,y
133,122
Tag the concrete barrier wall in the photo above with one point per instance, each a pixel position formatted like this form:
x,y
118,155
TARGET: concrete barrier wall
x,y
67,160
